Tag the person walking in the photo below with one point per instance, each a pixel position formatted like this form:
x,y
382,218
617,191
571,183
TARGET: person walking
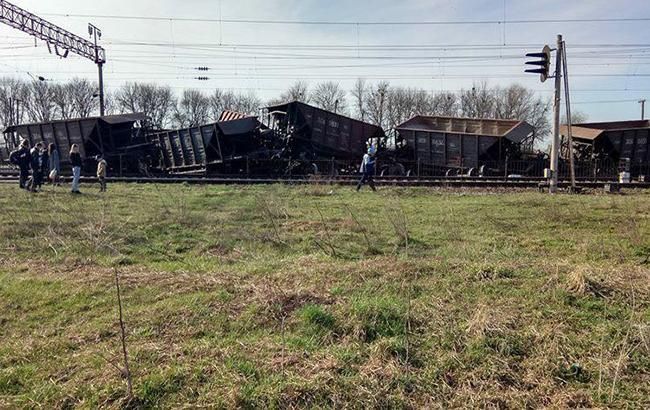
x,y
54,164
367,169
75,161
23,159
101,172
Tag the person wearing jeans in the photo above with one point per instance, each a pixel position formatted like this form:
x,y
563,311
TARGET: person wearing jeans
x,y
75,160
367,169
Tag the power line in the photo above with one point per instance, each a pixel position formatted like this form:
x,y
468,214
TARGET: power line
x,y
354,23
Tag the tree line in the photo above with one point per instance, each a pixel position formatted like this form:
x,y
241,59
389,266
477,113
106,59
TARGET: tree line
x,y
379,103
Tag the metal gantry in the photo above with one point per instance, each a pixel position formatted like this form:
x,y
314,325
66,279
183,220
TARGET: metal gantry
x,y
62,40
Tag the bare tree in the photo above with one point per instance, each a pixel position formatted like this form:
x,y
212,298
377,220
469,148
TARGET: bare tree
x,y
110,104
192,110
330,96
298,91
13,101
221,100
62,101
359,95
477,102
84,96
75,99
376,103
248,103
577,117
405,103
154,101
445,104
520,103
40,102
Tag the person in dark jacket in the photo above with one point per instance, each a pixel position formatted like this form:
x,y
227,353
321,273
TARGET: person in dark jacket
x,y
367,169
75,161
23,159
45,164
54,164
37,167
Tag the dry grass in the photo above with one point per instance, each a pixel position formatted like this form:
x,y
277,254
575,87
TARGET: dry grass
x,y
436,300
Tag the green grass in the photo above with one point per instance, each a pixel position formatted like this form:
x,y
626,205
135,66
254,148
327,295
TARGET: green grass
x,y
280,296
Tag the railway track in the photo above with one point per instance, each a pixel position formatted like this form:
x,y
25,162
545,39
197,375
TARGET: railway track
x,y
8,176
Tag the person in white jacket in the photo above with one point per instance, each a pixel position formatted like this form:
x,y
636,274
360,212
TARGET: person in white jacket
x,y
367,169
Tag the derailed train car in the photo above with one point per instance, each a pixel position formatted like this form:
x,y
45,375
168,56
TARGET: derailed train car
x,y
121,139
224,147
321,141
439,145
607,148
297,139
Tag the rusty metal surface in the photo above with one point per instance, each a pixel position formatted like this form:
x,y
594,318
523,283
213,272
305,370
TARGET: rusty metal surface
x,y
316,133
109,119
514,130
463,142
196,147
112,136
593,130
626,142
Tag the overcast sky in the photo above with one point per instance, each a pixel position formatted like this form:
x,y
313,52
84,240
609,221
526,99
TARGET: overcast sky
x,y
267,58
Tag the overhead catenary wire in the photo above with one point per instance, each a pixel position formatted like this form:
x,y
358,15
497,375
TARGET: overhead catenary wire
x,y
354,23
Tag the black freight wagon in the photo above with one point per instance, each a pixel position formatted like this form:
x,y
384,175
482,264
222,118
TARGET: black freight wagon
x,y
225,147
612,147
435,145
309,133
120,138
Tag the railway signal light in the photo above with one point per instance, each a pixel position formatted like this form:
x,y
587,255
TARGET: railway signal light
x,y
543,62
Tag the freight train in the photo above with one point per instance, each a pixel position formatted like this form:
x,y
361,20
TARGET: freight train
x,y
297,139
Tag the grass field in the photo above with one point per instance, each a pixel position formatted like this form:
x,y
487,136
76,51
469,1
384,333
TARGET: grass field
x,y
283,297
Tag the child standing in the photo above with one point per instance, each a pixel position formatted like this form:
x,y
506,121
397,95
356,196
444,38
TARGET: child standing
x,y
101,173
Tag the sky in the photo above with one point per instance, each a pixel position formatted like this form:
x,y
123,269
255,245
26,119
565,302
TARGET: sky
x,y
265,46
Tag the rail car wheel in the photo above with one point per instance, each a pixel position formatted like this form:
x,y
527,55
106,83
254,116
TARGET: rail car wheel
x,y
395,169
451,173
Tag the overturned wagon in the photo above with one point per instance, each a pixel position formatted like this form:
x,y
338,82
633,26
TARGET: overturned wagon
x,y
434,145
119,138
608,148
224,147
324,140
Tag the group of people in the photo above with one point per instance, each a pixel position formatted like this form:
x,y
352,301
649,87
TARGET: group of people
x,y
40,163
45,163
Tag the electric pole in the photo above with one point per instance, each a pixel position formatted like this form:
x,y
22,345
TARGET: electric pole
x,y
95,32
568,118
555,145
642,102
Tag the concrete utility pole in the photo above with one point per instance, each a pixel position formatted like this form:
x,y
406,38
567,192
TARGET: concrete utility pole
x,y
568,117
642,102
555,147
